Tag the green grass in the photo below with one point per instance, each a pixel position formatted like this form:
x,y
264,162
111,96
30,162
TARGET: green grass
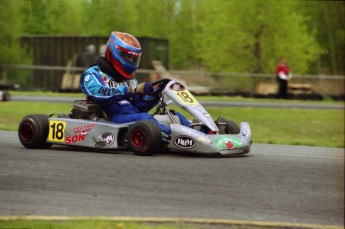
x,y
269,125
326,100
12,112
290,126
95,224
102,223
47,93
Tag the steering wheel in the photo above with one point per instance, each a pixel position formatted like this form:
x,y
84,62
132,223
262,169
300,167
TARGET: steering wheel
x,y
158,86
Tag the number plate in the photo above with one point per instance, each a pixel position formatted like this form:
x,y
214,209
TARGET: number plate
x,y
57,131
185,97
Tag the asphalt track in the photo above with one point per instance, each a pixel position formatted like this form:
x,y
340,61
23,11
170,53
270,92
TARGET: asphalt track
x,y
274,183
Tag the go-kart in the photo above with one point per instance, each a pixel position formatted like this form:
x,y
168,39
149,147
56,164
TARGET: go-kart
x,y
87,126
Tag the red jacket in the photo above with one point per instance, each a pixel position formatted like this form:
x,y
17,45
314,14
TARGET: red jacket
x,y
282,68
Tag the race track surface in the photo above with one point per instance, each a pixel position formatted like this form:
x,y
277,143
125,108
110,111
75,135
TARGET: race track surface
x,y
274,183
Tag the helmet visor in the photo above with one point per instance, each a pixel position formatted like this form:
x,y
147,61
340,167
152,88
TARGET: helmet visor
x,y
129,56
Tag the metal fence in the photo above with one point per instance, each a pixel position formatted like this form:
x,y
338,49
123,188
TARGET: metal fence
x,y
58,50
48,52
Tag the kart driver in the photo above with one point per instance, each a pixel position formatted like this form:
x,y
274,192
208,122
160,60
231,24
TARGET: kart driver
x,y
111,82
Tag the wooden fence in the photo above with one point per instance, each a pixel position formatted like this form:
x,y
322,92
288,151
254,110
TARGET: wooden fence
x,y
200,81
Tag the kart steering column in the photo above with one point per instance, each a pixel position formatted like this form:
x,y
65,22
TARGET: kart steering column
x,y
165,109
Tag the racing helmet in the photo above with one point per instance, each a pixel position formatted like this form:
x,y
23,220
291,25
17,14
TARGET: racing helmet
x,y
123,53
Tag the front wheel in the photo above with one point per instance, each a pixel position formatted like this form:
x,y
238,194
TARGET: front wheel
x,y
227,126
144,138
33,131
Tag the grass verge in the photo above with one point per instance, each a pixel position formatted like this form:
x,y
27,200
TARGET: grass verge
x,y
153,223
326,100
82,224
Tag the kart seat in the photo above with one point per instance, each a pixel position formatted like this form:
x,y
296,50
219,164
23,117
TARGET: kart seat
x,y
84,109
88,106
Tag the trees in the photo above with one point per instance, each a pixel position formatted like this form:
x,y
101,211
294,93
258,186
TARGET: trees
x,y
218,35
183,45
11,29
326,20
142,18
250,36
53,17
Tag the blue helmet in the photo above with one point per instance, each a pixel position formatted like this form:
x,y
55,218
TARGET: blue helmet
x,y
123,53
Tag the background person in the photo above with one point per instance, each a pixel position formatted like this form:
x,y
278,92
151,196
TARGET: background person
x,y
87,57
283,74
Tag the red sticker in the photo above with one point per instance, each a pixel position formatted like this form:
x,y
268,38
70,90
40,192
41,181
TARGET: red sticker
x,y
229,145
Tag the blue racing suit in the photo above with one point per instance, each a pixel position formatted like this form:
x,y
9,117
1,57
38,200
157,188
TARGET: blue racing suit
x,y
119,105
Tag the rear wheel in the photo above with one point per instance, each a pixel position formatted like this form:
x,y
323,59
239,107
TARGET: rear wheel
x,y
227,126
33,131
144,138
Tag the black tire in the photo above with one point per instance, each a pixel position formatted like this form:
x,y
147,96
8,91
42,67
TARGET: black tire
x,y
144,138
33,131
230,127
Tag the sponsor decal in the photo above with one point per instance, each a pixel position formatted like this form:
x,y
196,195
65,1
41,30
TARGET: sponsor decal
x,y
87,78
204,139
83,128
76,138
80,133
226,142
104,140
184,142
113,83
177,87
106,91
229,145
128,51
123,102
112,86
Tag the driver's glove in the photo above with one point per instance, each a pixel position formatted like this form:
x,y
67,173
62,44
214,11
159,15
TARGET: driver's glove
x,y
142,88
